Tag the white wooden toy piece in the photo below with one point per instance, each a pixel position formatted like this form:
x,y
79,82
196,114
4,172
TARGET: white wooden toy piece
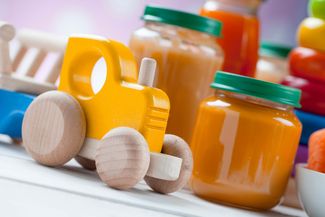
x,y
28,39
173,146
54,131
7,33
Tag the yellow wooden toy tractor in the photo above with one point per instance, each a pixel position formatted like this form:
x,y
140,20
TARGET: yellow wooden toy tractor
x,y
120,130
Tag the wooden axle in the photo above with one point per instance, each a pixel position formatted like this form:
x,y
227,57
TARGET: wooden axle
x,y
162,166
54,132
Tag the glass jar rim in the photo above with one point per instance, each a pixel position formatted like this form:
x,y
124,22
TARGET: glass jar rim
x,y
183,19
274,50
261,89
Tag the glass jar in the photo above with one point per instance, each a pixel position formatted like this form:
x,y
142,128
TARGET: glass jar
x,y
240,34
272,65
184,46
244,142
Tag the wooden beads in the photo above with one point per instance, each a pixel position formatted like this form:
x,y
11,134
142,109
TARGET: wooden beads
x,y
53,128
122,158
175,146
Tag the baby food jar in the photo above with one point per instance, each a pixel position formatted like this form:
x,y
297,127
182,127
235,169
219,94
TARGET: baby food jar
x,y
244,142
187,55
240,34
272,65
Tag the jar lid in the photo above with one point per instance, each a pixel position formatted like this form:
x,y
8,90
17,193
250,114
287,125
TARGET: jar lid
x,y
183,19
270,49
249,86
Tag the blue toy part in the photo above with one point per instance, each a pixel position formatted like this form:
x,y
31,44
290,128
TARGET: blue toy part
x,y
310,123
12,109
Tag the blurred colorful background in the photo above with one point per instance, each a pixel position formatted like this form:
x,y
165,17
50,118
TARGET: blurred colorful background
x,y
117,19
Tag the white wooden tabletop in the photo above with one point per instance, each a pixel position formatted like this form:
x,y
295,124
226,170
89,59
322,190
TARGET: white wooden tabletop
x,y
29,189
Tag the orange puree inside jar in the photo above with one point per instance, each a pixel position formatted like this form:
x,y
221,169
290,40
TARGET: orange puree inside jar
x,y
240,33
187,59
244,143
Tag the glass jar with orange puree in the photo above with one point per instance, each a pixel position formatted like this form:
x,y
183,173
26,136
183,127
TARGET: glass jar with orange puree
x,y
187,55
244,142
240,33
272,65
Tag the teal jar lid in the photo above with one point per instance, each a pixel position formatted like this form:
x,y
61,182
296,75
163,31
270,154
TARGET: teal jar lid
x,y
276,50
265,90
183,19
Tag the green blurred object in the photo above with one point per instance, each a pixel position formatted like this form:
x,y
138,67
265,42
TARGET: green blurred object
x,y
253,87
274,50
316,8
183,19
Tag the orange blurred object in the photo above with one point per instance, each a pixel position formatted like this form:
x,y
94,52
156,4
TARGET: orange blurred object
x,y
316,159
240,34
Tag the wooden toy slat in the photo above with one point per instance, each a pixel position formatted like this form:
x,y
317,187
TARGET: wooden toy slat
x,y
7,32
15,82
45,43
36,63
53,75
28,39
5,64
19,57
41,40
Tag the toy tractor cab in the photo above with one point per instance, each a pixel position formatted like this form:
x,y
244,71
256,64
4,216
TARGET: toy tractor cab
x,y
121,128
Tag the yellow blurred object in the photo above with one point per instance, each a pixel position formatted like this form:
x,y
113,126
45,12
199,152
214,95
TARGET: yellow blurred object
x,y
311,33
121,101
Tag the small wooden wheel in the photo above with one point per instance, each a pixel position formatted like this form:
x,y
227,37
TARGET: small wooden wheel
x,y
86,163
175,146
122,158
53,128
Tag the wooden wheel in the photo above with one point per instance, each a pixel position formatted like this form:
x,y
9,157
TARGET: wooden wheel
x,y
86,163
175,146
122,158
53,128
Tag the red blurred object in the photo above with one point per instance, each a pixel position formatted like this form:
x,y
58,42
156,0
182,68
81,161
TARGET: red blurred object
x,y
307,63
313,93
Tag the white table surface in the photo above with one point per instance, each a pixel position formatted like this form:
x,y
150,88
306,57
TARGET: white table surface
x,y
29,189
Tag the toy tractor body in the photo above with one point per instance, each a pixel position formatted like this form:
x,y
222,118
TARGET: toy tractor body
x,y
121,101
119,130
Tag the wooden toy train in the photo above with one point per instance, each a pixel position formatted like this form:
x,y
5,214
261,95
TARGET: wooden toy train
x,y
120,130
